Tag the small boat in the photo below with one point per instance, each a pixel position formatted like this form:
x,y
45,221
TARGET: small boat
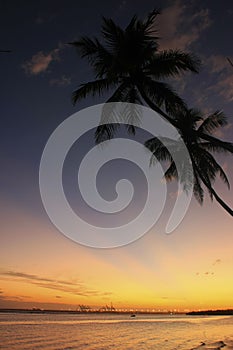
x,y
133,315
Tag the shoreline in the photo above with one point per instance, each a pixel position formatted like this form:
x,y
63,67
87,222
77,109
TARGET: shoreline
x,y
228,312
217,345
49,311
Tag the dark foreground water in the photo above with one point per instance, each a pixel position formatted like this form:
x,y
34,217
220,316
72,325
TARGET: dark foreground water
x,y
104,332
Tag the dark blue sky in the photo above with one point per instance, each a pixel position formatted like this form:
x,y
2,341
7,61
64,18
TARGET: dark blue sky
x,y
38,77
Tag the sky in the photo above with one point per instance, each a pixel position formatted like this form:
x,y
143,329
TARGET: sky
x,y
39,267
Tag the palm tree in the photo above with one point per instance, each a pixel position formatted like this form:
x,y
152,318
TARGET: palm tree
x,y
192,124
128,63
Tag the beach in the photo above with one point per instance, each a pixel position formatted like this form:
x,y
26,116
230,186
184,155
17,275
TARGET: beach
x,y
105,332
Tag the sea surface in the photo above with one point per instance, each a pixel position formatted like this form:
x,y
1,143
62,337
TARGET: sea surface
x,y
106,331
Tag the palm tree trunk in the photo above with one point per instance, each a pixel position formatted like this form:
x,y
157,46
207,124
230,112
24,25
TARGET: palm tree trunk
x,y
221,202
226,145
153,106
210,188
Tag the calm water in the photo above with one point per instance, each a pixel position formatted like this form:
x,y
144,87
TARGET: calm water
x,y
103,332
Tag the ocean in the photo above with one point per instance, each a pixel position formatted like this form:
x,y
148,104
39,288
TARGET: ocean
x,y
109,331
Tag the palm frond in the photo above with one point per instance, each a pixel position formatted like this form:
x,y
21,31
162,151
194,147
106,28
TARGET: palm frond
x,y
158,150
86,46
133,111
228,146
197,189
170,63
194,115
210,167
202,172
132,24
164,96
112,33
107,130
171,173
130,115
213,122
212,147
149,23
93,88
98,56
185,169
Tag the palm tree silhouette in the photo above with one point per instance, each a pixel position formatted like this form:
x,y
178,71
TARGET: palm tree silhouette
x,y
129,61
192,124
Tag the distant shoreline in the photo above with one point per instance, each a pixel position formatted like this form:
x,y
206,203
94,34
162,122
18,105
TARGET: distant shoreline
x,y
212,312
48,311
77,312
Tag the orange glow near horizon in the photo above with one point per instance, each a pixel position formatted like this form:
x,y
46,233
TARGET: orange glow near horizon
x,y
189,269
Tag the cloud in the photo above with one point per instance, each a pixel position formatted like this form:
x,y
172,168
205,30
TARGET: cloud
x,y
40,62
74,288
171,298
14,297
216,262
63,81
34,277
207,273
220,133
222,76
217,63
224,87
179,28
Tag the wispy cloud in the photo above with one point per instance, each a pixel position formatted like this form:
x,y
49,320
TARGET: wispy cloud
x,y
40,62
34,277
207,273
172,298
216,262
63,81
4,297
180,27
74,288
222,76
217,63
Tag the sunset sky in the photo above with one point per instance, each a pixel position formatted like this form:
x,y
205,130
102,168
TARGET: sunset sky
x,y
39,267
